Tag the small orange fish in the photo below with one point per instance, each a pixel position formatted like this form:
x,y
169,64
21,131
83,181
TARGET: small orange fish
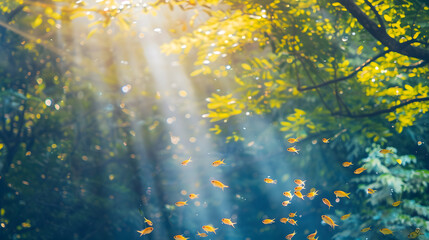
x,y
311,236
292,214
344,217
228,221
415,234
329,221
145,231
218,184
327,202
359,170
290,236
312,194
385,151
293,140
268,221
325,140
395,204
371,191
299,188
386,231
193,195
299,194
202,234
181,203
269,180
293,149
149,222
366,229
284,220
184,163
292,221
341,194
218,163
420,143
209,228
299,182
285,203
347,164
180,237
288,194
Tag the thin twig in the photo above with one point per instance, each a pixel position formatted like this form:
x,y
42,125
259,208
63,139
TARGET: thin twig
x,y
388,110
416,65
317,90
352,74
377,15
382,36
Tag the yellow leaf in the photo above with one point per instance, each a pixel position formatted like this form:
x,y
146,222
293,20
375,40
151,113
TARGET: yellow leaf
x,y
1,145
123,23
268,76
77,15
196,72
51,21
408,87
246,66
37,21
376,138
359,50
387,18
286,124
91,33
268,84
238,80
299,111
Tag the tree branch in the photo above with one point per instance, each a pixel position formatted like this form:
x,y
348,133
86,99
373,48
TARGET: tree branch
x,y
352,74
273,45
27,36
317,90
388,110
14,12
382,36
382,27
416,65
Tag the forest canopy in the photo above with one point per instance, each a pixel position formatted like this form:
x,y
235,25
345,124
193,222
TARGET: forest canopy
x,y
101,102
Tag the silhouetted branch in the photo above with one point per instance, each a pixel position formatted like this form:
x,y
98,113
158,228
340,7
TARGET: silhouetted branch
x,y
388,110
382,36
352,74
14,12
383,28
317,89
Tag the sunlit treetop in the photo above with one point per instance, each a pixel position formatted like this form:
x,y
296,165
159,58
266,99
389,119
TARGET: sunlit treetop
x,y
347,59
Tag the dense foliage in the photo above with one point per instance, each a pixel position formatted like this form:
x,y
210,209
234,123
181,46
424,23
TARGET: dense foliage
x,y
93,125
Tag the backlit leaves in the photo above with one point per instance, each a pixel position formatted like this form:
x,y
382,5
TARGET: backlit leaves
x,y
269,82
297,124
223,107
